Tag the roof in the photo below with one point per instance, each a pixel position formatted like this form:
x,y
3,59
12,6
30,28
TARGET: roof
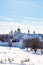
x,y
30,36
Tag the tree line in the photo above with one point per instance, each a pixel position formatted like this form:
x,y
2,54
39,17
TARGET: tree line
x,y
33,43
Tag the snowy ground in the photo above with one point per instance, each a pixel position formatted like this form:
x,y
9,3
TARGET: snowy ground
x,y
36,58
16,56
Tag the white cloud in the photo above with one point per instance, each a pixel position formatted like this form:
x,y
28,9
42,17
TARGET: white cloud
x,y
3,18
33,19
6,27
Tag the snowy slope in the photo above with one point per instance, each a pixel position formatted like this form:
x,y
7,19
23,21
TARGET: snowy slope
x,y
16,56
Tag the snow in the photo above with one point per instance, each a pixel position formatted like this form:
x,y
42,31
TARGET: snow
x,y
16,56
14,44
36,59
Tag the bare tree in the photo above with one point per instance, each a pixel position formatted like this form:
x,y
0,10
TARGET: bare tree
x,y
41,46
10,43
35,44
26,43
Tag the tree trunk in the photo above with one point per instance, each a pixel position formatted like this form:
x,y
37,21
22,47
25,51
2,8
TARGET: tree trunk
x,y
27,49
41,50
35,50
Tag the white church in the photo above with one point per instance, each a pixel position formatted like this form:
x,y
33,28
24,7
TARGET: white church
x,y
19,35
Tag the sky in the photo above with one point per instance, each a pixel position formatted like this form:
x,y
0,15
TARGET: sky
x,y
23,14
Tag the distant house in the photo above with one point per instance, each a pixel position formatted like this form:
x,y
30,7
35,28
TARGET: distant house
x,y
30,36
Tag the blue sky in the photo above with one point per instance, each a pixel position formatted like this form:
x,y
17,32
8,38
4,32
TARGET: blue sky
x,y
23,8
29,12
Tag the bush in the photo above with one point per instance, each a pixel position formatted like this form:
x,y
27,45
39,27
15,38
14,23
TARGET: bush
x,y
35,44
26,43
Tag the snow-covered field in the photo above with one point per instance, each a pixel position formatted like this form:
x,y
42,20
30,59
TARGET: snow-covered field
x,y
16,56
